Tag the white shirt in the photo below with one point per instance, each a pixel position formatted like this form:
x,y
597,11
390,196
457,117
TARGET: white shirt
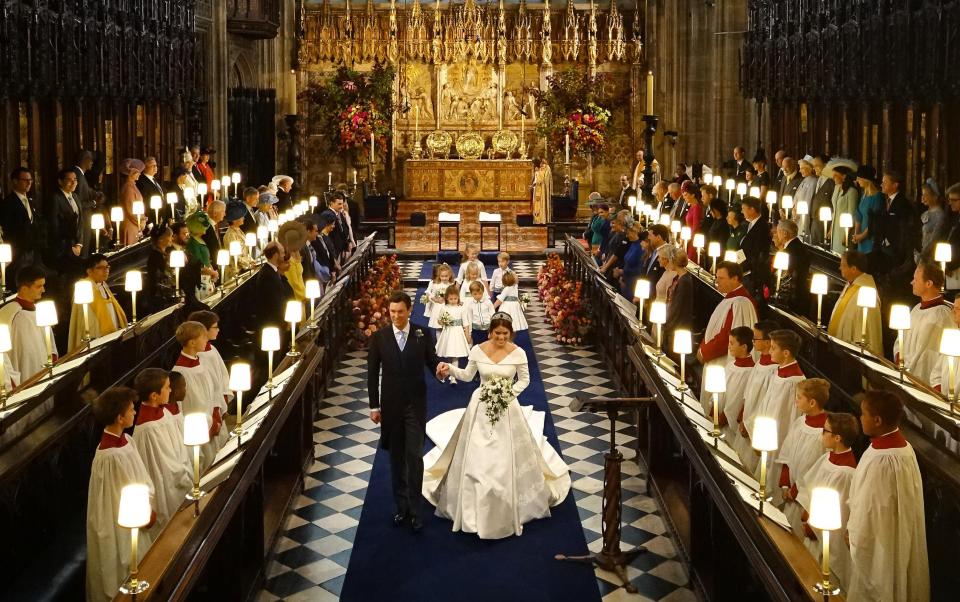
x,y
752,222
405,331
26,204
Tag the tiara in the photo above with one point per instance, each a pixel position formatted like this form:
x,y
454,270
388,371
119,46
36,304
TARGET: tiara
x,y
502,315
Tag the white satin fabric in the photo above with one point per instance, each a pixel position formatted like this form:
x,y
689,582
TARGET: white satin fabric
x,y
491,479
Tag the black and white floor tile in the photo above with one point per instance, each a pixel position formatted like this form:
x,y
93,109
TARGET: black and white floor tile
x,y
311,557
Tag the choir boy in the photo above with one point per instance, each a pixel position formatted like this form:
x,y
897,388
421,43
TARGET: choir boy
x,y
738,371
116,464
921,344
29,353
479,310
763,369
203,391
888,539
803,446
178,391
211,360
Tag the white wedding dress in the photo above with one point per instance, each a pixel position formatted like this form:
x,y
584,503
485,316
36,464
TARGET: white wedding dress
x,y
491,479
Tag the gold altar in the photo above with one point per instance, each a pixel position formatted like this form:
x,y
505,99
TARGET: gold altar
x,y
467,180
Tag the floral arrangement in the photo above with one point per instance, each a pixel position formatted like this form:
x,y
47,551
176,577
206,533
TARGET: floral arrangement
x,y
356,123
371,305
445,319
525,299
576,105
496,395
566,309
425,298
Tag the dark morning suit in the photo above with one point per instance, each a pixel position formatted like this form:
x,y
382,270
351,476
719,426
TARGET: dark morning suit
x,y
84,194
273,292
755,244
798,295
403,406
18,231
150,189
65,230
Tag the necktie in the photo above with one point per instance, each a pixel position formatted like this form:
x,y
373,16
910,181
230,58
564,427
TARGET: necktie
x,y
401,339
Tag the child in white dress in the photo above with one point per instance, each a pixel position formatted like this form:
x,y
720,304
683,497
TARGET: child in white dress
x,y
496,280
454,339
472,275
471,256
478,311
443,278
509,302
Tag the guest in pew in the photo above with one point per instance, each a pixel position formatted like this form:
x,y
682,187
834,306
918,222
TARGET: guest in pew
x,y
666,256
271,287
251,198
921,344
794,286
888,538
736,229
203,391
236,212
29,353
293,235
198,252
714,228
633,260
105,313
326,255
846,319
658,235
617,245
755,244
158,285
116,464
312,269
738,371
834,469
803,445
159,441
679,293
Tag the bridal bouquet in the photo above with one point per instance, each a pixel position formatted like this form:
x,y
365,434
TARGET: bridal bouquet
x,y
425,298
525,298
445,319
496,394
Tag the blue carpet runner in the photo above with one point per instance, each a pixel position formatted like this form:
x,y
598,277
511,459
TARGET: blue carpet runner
x,y
391,563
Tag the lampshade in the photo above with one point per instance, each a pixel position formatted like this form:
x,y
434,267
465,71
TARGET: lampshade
x,y
6,253
846,220
803,208
786,202
824,509
658,312
731,184
215,185
730,256
665,219
6,344
314,201
867,297
249,239
631,201
742,188
97,222
235,177
138,208
273,226
312,288
755,192
713,250
270,339
764,434
195,429
46,314
189,193
134,509
715,380
675,226
225,181
294,312
133,281
943,252
771,197
682,341
685,233
116,214
263,233
172,198
223,257
781,261
202,189
826,214
240,376
642,289
718,181
699,240
178,258
156,202
950,342
819,284
236,248
899,317
655,214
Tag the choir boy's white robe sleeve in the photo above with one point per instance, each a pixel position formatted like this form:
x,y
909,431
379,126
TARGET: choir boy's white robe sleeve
x,y
29,353
116,464
779,401
159,442
211,359
801,448
833,470
921,344
204,396
756,386
736,309
888,540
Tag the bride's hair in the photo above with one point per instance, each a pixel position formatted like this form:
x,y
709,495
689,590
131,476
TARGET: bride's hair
x,y
501,319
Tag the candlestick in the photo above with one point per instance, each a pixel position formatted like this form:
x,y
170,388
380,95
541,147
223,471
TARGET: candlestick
x,y
134,513
373,143
195,433
649,92
567,140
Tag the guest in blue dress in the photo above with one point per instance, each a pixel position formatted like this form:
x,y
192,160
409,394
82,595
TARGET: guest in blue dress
x,y
633,260
868,210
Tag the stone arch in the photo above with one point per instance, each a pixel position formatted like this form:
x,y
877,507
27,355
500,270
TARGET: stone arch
x,y
242,74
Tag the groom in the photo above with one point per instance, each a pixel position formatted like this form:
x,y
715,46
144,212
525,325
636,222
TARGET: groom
x,y
400,351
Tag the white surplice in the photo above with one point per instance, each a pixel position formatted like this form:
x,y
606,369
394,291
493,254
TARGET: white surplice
x,y
801,449
491,479
204,396
778,401
921,344
739,371
735,310
159,441
756,387
29,353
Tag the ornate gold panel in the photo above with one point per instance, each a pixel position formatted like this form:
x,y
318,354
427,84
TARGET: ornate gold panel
x,y
480,180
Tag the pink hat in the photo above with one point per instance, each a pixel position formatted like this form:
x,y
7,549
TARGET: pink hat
x,y
130,165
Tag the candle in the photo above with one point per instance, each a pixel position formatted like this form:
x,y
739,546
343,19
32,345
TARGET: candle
x,y
354,177
372,149
329,179
292,99
567,140
649,92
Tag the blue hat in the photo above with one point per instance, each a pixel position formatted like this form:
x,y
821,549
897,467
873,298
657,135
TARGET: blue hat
x,y
266,197
235,211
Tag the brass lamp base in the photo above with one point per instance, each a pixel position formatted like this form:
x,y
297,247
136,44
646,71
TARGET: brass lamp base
x,y
195,494
133,586
826,589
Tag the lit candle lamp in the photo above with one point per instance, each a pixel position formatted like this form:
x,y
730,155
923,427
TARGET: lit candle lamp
x,y
715,383
156,203
658,316
172,201
741,189
718,182
312,292
196,434
293,315
215,188
781,262
202,190
314,201
825,515
133,283
730,185
682,345
675,228
250,241
263,236
665,219
225,182
755,192
6,346
178,259
116,216
819,286
97,223
699,241
803,210
223,260
239,382
787,203
763,438
714,251
641,290
6,258
236,250
270,342
900,321
771,200
950,347
46,314
867,300
943,254
273,226
235,179
134,514
846,222
685,234
731,256
826,216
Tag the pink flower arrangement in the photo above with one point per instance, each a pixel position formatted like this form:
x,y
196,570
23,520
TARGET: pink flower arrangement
x,y
370,306
562,297
357,122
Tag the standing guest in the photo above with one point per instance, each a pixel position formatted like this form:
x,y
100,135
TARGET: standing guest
x,y
671,199
234,217
845,199
633,260
822,196
695,211
708,192
503,266
834,469
736,309
132,225
794,287
791,178
740,163
638,165
735,230
158,285
284,185
666,258
203,391
593,202
205,170
659,235
738,371
933,221
478,311
617,244
19,219
659,193
454,340
251,198
714,227
29,353
868,210
65,223
195,158
293,235
679,294
265,209
181,236
344,224
898,232
116,464
680,207
921,344
106,315
217,212
846,319
149,187
198,253
272,288
186,186
756,386
680,175
755,245
888,541
84,194
778,158
803,445
953,234
805,192
761,176
599,229
509,302
626,191
312,270
323,245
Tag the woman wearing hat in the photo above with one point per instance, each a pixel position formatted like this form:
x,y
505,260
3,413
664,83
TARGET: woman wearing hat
x,y
293,235
185,180
933,221
132,225
236,213
870,207
845,199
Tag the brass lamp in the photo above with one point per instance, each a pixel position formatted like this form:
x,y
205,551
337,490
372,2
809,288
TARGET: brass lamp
x,y
819,287
943,253
699,241
846,222
658,316
312,292
97,223
714,251
223,260
47,319
116,216
156,203
134,514
771,200
239,382
196,434
641,290
763,438
900,321
781,262
683,345
786,201
866,300
178,259
950,347
133,283
83,296
270,342
715,383
6,257
825,515
293,315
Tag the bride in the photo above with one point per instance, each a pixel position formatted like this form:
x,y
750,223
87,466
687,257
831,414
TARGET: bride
x,y
491,478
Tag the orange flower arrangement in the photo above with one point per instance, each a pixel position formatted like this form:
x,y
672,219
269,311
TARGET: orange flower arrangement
x,y
566,309
371,305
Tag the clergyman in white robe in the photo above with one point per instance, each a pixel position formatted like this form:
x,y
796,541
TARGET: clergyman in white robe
x,y
736,309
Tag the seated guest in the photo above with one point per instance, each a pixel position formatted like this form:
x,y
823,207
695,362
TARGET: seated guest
x,y
158,284
235,215
116,464
846,319
794,285
66,221
921,344
679,293
272,288
736,309
29,353
203,390
105,313
803,445
159,441
834,469
738,371
888,538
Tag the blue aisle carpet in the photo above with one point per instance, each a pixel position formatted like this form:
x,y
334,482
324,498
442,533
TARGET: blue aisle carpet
x,y
390,563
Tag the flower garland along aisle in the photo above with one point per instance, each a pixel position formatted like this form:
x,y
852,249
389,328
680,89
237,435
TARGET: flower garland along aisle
x,y
566,309
371,306
576,105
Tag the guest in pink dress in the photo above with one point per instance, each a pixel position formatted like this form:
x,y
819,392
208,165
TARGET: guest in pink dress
x,y
130,229
694,217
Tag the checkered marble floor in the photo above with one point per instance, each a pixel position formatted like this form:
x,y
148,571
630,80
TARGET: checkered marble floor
x,y
311,556
411,269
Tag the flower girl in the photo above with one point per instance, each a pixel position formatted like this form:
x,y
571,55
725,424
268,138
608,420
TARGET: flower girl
x,y
478,311
442,279
509,302
471,256
454,339
471,275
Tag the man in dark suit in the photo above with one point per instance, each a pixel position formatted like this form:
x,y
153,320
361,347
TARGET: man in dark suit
x,y
394,363
626,191
85,195
344,228
150,186
659,235
794,285
323,245
19,220
65,224
740,163
822,197
271,287
251,197
755,245
791,177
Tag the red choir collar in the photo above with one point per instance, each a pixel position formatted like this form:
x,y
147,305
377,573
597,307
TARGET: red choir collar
x,y
26,304
149,413
791,369
741,291
743,362
935,302
765,359
890,440
185,361
172,407
108,440
208,347
844,458
817,421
